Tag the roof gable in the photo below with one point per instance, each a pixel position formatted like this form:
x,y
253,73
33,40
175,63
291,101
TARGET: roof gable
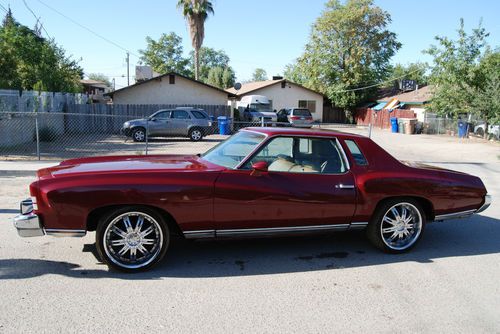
x,y
171,73
250,87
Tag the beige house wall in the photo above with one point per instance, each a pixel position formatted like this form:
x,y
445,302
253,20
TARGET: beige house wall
x,y
160,91
289,97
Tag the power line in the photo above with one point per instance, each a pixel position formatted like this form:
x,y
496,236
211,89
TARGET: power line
x,y
88,29
37,18
375,85
5,9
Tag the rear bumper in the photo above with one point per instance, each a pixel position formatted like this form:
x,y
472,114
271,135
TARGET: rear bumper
x,y
465,214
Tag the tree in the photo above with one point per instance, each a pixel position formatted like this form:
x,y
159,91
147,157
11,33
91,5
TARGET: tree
x,y
30,62
215,76
413,71
228,78
196,12
259,74
349,49
165,55
455,75
100,77
208,59
486,96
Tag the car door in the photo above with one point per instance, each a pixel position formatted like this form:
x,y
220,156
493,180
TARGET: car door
x,y
159,123
308,185
180,121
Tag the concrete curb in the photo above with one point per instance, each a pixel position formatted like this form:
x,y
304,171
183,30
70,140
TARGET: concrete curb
x,y
17,173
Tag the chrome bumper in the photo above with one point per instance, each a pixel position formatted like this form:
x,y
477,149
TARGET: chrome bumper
x,y
28,225
464,214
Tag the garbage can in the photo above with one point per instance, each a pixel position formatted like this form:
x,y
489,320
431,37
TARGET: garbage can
x,y
224,125
394,125
462,129
410,126
401,125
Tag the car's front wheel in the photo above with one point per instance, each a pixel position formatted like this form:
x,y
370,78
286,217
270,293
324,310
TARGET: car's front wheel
x,y
139,134
397,225
132,238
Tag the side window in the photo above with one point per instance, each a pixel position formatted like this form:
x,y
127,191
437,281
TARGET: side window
x,y
198,114
300,155
163,115
356,153
180,114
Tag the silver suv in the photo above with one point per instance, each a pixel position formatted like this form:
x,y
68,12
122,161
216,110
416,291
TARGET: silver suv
x,y
179,122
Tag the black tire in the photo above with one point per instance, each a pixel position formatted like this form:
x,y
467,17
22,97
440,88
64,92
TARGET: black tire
x,y
196,134
148,251
139,134
378,224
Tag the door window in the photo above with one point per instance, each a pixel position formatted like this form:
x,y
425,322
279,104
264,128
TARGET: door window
x,y
301,155
163,114
180,114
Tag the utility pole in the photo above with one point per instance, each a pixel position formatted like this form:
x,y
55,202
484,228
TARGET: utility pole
x,y
128,69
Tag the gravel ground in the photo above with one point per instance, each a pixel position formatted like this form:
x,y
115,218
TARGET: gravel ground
x,y
325,284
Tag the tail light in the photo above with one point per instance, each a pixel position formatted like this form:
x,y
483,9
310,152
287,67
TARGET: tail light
x,y
294,118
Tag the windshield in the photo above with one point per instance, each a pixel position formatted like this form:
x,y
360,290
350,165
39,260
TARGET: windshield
x,y
231,152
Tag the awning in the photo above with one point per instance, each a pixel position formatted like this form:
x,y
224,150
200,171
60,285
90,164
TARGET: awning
x,y
379,106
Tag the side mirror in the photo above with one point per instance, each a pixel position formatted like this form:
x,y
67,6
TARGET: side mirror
x,y
153,119
260,166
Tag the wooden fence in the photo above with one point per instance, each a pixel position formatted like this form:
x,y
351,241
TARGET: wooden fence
x,y
382,118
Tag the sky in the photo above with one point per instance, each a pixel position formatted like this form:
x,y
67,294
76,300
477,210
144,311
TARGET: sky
x,y
266,34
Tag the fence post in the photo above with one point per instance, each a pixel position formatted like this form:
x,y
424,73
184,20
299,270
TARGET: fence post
x,y
147,133
370,130
262,121
439,122
37,137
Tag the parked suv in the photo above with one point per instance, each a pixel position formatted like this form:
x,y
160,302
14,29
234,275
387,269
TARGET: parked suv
x,y
179,122
299,117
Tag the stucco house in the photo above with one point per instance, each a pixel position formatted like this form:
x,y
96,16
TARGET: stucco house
x,y
173,89
283,93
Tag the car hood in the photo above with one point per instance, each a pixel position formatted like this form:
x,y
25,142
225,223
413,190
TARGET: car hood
x,y
137,120
128,164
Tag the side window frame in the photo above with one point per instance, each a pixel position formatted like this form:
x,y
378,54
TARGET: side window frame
x,y
351,155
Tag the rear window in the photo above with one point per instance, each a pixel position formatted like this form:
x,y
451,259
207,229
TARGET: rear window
x,y
199,114
301,112
356,153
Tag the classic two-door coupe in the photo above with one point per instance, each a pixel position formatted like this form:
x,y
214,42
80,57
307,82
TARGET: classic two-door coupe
x,y
259,182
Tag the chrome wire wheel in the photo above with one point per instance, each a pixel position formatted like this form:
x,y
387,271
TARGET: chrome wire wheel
x,y
133,240
401,226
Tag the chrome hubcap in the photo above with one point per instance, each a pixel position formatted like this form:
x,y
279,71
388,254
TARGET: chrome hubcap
x,y
196,135
139,135
133,240
401,226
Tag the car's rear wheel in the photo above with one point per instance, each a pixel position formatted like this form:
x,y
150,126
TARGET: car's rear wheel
x,y
397,225
139,134
196,134
132,238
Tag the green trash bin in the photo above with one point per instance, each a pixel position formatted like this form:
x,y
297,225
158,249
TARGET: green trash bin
x,y
401,125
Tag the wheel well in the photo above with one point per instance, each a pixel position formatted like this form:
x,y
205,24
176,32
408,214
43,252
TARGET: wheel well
x,y
426,204
138,127
96,214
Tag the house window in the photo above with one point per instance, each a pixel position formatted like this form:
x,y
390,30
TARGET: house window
x,y
171,79
311,105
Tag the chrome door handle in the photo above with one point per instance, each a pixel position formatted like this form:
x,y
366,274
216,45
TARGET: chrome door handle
x,y
344,186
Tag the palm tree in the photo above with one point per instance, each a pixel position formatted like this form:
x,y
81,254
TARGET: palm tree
x,y
196,12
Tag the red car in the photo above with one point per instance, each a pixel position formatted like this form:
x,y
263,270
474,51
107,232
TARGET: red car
x,y
259,182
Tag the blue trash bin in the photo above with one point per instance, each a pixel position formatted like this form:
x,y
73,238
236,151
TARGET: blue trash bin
x,y
462,129
224,125
394,125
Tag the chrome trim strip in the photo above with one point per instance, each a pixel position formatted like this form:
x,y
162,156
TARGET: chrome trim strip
x,y
65,232
343,154
199,234
486,204
279,230
358,225
344,186
454,215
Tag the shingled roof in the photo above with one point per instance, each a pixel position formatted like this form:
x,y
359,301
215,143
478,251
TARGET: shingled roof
x,y
418,96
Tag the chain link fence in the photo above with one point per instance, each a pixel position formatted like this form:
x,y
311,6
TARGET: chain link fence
x,y
57,136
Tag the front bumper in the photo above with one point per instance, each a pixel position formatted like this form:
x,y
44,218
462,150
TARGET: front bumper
x,y
28,225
